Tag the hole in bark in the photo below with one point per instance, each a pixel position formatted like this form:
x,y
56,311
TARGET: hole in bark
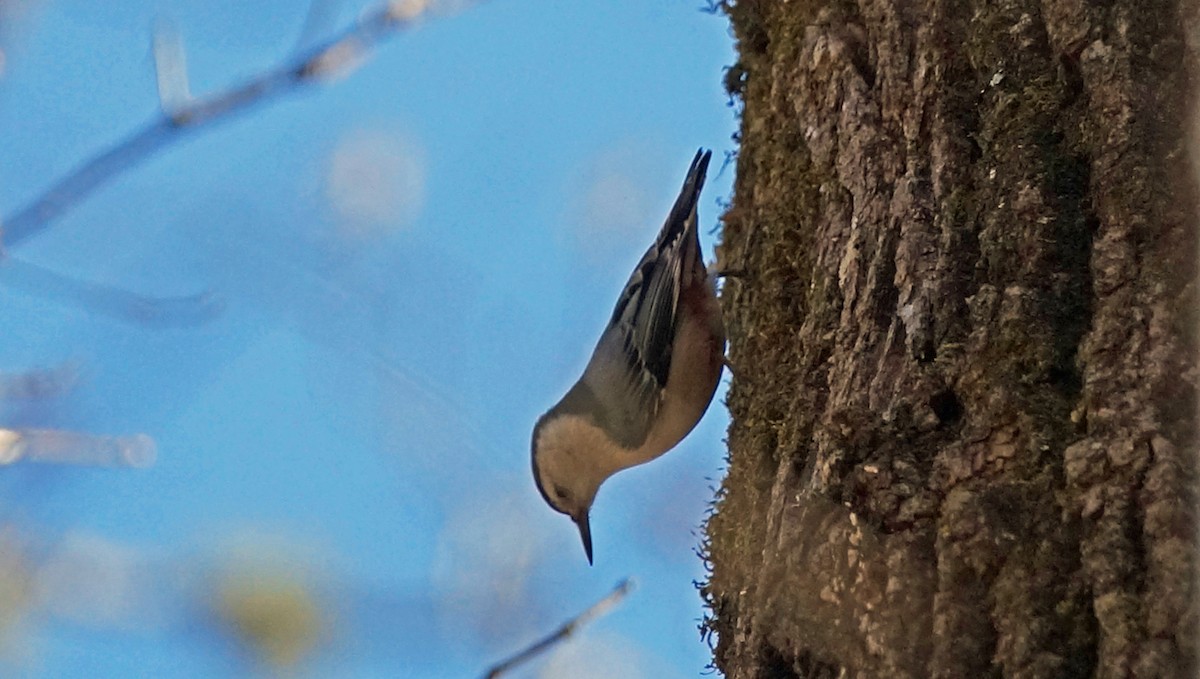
x,y
774,665
862,64
946,406
1067,379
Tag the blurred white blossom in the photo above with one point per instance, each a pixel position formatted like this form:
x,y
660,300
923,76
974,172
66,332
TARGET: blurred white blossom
x,y
95,582
375,182
406,10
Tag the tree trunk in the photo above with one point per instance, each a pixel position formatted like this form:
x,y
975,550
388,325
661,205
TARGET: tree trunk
x,y
963,342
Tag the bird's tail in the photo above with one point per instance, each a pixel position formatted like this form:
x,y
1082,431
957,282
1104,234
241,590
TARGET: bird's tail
x,y
681,213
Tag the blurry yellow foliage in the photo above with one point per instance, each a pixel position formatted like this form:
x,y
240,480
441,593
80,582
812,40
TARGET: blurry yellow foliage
x,y
275,615
15,581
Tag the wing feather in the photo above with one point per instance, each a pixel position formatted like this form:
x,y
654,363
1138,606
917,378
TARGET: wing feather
x,y
630,366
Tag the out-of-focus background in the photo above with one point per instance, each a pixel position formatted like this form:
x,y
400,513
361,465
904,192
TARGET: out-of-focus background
x,y
406,266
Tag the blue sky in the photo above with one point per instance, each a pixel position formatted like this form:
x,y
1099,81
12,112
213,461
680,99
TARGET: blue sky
x,y
413,263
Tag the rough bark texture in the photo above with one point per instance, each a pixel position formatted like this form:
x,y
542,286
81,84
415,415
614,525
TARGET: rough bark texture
x,y
964,343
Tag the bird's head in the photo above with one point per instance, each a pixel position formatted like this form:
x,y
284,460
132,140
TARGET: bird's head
x,y
569,464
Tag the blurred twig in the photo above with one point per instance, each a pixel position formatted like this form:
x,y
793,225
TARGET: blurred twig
x,y
131,307
39,383
57,446
181,113
320,17
594,611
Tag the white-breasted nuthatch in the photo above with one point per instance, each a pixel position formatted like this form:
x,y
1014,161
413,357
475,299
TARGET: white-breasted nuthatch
x,y
652,374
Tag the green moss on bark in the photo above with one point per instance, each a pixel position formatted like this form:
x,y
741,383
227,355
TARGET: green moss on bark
x,y
962,438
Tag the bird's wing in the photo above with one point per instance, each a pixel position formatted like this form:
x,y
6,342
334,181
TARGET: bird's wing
x,y
629,368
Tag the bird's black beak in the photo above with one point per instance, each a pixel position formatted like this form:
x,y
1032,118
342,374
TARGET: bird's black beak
x,y
585,533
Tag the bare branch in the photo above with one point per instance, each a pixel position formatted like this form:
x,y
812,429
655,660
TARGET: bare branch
x,y
121,304
76,186
56,446
170,69
334,57
320,17
594,611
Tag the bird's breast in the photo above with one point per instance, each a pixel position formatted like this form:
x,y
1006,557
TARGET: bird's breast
x,y
696,361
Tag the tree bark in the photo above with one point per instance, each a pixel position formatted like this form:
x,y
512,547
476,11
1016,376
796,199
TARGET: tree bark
x,y
963,342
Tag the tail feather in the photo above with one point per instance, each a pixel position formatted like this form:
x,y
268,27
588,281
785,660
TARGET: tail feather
x,y
685,204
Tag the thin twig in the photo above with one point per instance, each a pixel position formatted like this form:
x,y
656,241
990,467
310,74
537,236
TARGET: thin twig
x,y
58,446
170,68
179,114
162,312
596,610
320,17
334,57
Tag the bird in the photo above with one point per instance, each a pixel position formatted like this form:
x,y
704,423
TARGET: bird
x,y
651,376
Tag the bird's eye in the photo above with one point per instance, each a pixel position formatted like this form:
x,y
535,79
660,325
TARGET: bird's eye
x,y
560,493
